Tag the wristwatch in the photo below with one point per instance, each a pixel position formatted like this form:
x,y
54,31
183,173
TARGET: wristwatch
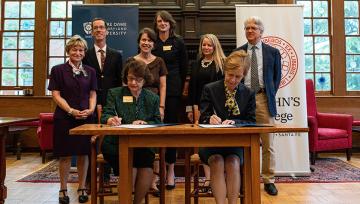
x,y
70,111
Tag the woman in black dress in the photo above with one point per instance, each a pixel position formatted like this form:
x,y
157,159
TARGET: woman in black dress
x,y
208,68
227,102
171,48
73,87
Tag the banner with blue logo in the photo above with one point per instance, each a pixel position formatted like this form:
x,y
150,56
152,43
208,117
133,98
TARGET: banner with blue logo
x,y
122,24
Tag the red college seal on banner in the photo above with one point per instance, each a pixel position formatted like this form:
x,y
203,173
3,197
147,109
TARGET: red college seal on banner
x,y
289,58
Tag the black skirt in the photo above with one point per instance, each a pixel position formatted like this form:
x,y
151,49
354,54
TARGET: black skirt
x,y
69,145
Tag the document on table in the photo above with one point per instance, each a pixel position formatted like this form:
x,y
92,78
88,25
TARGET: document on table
x,y
216,126
235,125
130,126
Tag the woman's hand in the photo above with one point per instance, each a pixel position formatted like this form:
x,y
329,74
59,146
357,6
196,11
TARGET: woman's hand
x,y
76,114
215,120
190,116
162,113
84,114
139,122
113,121
228,122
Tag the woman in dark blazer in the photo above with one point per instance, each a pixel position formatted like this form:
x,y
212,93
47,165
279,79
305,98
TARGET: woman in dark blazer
x,y
227,102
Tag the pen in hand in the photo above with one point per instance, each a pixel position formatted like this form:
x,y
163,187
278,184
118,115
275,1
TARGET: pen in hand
x,y
214,119
115,120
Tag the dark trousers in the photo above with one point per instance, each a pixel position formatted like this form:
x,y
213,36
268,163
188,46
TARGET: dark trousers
x,y
172,110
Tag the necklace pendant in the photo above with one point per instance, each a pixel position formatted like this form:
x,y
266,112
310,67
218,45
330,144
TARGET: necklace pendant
x,y
205,64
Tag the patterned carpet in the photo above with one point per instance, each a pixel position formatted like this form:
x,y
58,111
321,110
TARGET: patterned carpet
x,y
327,170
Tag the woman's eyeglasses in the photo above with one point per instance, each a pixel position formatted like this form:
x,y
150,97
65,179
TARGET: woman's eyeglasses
x,y
137,79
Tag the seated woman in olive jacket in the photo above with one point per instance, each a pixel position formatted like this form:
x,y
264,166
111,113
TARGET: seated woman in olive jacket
x,y
132,104
227,102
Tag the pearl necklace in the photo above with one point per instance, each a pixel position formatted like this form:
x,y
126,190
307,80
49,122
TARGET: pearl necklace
x,y
205,64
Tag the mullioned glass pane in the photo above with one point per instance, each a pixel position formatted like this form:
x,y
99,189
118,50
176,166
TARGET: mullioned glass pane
x,y
351,8
351,26
322,82
28,9
322,63
11,9
9,58
322,45
58,9
8,77
352,63
352,45
9,42
321,26
353,82
25,77
320,9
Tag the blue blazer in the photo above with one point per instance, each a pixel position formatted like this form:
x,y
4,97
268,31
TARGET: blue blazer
x,y
213,102
271,73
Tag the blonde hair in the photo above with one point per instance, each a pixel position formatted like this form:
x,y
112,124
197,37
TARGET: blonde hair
x,y
218,53
237,60
75,40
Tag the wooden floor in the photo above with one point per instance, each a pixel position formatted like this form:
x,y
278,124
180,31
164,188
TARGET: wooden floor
x,y
312,193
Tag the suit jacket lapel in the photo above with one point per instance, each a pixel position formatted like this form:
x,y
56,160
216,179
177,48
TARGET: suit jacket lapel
x,y
107,59
94,60
221,110
265,60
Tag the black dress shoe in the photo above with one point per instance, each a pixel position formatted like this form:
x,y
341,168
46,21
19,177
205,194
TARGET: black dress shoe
x,y
270,188
83,197
155,192
170,187
64,198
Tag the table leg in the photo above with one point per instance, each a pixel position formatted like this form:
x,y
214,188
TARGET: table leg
x,y
246,177
187,176
3,189
125,167
162,175
255,166
93,166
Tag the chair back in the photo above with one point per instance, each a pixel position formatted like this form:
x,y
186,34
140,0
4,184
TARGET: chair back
x,y
310,98
196,114
45,131
99,111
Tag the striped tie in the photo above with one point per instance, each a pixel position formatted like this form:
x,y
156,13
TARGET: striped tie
x,y
102,59
255,86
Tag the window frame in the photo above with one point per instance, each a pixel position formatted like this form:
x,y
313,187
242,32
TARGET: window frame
x,y
17,89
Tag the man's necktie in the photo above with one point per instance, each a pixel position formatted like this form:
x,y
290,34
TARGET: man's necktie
x,y
102,59
254,71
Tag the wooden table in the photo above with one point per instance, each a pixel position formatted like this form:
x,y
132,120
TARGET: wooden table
x,y
5,122
187,136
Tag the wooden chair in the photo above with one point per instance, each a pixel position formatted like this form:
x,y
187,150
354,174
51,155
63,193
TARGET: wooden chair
x,y
194,169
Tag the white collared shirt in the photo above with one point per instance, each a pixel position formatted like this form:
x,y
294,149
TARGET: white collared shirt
x,y
98,54
259,58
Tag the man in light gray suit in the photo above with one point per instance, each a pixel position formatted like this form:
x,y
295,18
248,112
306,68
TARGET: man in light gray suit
x,y
264,78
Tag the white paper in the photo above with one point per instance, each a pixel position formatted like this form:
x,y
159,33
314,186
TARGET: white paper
x,y
130,126
216,126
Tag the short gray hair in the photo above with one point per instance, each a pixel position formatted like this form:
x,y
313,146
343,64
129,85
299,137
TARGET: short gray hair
x,y
75,40
257,20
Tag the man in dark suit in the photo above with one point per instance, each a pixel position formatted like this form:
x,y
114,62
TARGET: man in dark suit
x,y
106,61
264,78
108,66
